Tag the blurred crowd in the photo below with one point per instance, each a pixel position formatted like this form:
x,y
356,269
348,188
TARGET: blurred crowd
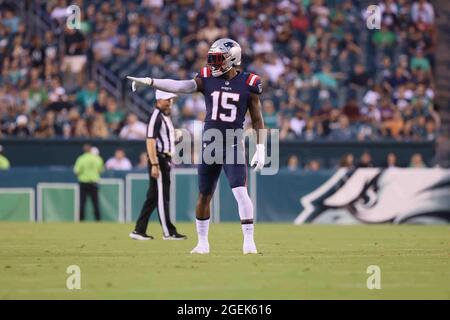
x,y
350,161
325,74
121,161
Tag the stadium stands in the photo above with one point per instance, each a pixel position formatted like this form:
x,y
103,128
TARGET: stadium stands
x,y
325,76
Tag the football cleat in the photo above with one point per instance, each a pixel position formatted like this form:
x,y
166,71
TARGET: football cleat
x,y
249,248
201,249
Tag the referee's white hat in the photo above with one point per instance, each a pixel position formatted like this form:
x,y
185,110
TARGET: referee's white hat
x,y
163,95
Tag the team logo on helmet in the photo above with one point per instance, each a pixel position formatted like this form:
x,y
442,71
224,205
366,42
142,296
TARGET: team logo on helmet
x,y
228,44
223,55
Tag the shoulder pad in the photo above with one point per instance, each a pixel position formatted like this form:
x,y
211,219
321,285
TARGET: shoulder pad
x,y
254,82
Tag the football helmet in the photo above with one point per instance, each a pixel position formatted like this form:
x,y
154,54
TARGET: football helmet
x,y
223,55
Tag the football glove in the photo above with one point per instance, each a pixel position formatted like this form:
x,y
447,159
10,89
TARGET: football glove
x,y
146,81
258,159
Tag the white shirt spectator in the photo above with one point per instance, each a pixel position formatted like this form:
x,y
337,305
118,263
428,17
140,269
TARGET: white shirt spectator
x,y
423,13
153,3
118,164
103,48
58,94
60,13
274,70
261,45
137,130
222,4
392,7
371,98
297,125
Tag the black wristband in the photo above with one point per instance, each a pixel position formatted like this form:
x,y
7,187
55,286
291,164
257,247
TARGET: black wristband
x,y
154,164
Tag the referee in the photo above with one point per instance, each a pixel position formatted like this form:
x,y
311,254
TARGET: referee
x,y
160,147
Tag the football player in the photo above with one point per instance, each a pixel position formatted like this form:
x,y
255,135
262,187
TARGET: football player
x,y
229,93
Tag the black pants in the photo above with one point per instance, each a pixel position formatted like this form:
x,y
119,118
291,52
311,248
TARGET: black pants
x,y
91,190
158,195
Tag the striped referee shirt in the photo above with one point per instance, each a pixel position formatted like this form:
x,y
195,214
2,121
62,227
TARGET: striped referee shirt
x,y
160,127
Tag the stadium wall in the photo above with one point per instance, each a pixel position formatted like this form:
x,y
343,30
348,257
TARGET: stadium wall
x,y
371,195
62,152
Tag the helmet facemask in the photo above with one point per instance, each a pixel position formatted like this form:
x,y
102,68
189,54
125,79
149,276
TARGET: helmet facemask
x,y
219,63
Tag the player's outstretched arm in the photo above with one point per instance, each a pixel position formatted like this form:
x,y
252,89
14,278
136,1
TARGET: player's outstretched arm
x,y
258,159
169,85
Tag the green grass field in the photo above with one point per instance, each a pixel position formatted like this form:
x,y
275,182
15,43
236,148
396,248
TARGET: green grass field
x,y
307,262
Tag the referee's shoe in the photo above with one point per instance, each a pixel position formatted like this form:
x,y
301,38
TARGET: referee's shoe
x,y
140,236
175,236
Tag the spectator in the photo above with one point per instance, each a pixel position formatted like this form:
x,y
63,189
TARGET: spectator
x,y
313,165
103,47
269,114
343,131
365,160
75,58
417,161
393,127
307,51
99,128
359,80
87,96
298,123
113,115
4,162
81,129
419,61
293,163
119,161
21,128
143,161
422,12
46,127
101,101
384,38
431,131
391,160
312,130
347,161
37,95
134,129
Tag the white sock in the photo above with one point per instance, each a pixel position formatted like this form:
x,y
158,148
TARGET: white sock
x,y
202,230
248,230
245,206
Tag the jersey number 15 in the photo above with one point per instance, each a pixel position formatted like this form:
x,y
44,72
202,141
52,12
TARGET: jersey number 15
x,y
228,101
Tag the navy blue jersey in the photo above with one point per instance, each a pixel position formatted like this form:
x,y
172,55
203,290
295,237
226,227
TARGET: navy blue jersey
x,y
227,100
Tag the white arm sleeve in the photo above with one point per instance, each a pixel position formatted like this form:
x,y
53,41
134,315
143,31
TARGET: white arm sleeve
x,y
175,86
